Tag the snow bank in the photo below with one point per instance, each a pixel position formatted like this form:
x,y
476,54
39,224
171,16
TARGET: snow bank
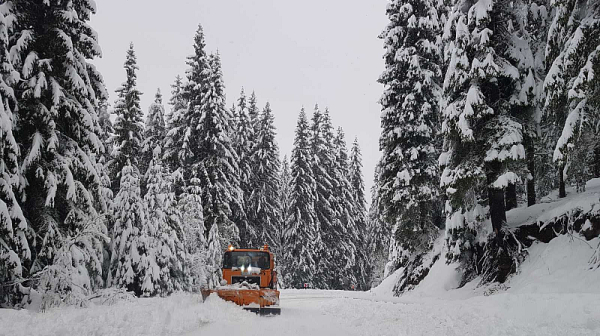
x,y
561,266
175,315
551,206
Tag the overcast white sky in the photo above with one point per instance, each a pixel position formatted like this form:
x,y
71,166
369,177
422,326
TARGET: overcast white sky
x,y
292,53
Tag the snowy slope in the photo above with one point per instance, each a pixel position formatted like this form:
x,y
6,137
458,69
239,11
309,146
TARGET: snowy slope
x,y
551,206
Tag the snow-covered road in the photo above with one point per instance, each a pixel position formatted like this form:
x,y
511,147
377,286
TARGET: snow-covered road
x,y
328,313
555,294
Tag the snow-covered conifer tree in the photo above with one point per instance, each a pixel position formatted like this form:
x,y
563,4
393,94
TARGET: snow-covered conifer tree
x,y
165,258
322,162
217,168
302,235
58,92
15,253
345,230
214,257
192,220
571,87
409,176
280,243
262,205
130,239
154,132
355,177
129,127
244,142
483,144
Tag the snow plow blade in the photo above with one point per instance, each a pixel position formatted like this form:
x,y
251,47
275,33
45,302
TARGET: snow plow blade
x,y
266,311
261,301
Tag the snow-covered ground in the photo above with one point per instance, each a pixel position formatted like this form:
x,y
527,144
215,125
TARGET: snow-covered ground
x,y
555,294
551,207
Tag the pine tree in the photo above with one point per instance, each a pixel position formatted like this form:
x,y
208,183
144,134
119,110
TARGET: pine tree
x,y
192,219
58,93
129,127
217,168
263,209
302,235
165,255
183,150
355,177
322,157
176,128
378,239
483,146
154,132
213,257
409,176
243,142
570,87
130,241
345,230
280,243
15,252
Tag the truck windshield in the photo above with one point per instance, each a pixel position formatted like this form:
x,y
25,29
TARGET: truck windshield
x,y
237,259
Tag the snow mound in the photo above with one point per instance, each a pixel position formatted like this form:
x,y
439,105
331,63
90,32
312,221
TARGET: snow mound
x,y
560,266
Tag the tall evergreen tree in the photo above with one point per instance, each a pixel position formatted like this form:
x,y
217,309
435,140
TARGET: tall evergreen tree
x,y
359,207
129,239
58,92
218,169
322,160
154,132
192,219
15,252
409,176
280,242
244,143
483,145
302,235
165,255
345,229
129,127
263,207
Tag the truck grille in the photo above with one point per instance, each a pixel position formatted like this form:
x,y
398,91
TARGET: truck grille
x,y
248,279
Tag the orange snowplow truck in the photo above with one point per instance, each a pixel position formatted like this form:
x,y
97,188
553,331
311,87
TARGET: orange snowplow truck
x,y
249,280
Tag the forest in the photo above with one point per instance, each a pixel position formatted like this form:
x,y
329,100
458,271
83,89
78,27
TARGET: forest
x,y
103,200
487,106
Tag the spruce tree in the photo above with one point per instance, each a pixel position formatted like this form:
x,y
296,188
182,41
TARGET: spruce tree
x,y
345,230
571,89
322,160
483,145
243,142
302,235
355,177
280,243
15,252
192,219
58,92
130,237
164,250
217,168
129,127
410,116
263,209
154,132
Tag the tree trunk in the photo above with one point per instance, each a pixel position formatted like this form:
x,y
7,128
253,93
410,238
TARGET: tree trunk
x,y
530,153
562,192
496,199
597,160
511,196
